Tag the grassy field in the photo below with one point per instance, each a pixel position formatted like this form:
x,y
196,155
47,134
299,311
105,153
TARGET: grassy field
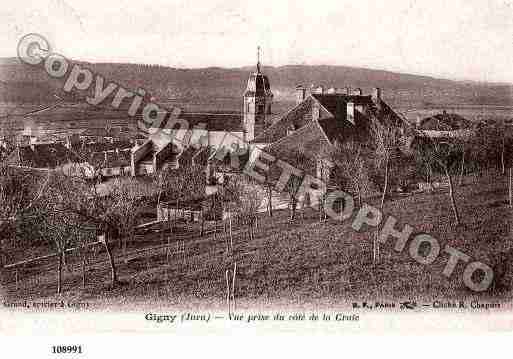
x,y
299,264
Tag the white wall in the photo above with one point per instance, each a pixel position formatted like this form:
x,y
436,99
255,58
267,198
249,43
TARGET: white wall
x,y
205,138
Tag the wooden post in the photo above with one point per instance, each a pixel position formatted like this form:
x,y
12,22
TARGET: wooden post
x,y
451,194
114,277
462,167
227,292
184,256
510,188
84,270
231,237
202,230
233,285
503,165
167,247
125,239
59,273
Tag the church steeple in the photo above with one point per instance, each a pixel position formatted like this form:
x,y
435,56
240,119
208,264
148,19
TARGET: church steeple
x,y
258,60
257,100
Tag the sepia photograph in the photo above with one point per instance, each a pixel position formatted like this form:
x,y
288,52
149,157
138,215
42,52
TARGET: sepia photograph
x,y
273,166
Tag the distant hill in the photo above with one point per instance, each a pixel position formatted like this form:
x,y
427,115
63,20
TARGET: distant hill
x,y
26,84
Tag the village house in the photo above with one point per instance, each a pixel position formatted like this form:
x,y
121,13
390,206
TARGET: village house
x,y
320,119
48,156
106,134
323,118
444,125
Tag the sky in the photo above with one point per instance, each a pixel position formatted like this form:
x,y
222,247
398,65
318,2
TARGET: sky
x,y
456,39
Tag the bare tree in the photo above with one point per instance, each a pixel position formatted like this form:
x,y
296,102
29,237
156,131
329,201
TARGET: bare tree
x,y
160,181
58,230
301,162
444,153
186,183
249,201
350,169
20,193
230,196
60,227
82,198
128,195
386,140
269,186
84,238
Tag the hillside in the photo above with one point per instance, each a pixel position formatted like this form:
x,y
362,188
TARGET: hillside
x,y
24,84
300,263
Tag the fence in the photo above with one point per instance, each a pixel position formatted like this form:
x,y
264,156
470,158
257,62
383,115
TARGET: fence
x,y
179,240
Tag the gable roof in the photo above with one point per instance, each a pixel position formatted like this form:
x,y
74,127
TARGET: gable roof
x,y
311,138
191,154
332,106
332,124
296,117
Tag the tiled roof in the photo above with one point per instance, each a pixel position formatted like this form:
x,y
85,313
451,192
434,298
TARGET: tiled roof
x,y
311,139
445,122
191,154
42,155
297,117
106,146
110,159
340,130
230,161
332,117
214,121
116,131
336,103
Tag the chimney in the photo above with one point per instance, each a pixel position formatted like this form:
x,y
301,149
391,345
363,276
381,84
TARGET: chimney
x,y
316,110
350,112
356,92
376,95
418,122
300,94
319,90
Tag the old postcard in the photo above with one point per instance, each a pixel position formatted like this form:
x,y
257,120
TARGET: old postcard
x,y
284,166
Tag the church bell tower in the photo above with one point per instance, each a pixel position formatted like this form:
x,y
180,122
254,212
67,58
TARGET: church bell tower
x,y
257,100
